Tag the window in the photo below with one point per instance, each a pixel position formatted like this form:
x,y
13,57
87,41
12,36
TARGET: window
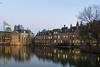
x,y
61,41
55,41
64,36
58,36
55,32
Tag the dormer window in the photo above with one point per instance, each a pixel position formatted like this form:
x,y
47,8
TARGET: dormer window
x,y
55,32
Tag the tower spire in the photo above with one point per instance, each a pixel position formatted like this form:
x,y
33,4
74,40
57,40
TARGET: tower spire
x,y
6,26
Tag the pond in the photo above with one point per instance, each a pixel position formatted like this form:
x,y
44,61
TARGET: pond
x,y
22,56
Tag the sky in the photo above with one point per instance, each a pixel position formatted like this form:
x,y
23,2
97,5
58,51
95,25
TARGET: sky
x,y
42,14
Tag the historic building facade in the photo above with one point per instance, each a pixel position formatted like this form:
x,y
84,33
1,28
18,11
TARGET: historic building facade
x,y
5,37
19,36
59,36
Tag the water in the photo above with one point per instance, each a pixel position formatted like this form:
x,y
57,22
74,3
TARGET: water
x,y
21,56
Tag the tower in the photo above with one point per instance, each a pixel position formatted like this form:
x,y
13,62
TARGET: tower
x,y
6,27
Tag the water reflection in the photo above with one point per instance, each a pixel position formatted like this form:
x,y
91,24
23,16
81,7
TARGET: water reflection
x,y
15,55
68,57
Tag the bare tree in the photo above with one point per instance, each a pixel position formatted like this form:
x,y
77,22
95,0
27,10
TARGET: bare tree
x,y
90,14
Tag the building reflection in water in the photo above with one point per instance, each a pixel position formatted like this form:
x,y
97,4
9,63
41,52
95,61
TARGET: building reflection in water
x,y
19,54
71,57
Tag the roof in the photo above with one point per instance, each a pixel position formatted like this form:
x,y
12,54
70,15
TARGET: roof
x,y
4,32
21,31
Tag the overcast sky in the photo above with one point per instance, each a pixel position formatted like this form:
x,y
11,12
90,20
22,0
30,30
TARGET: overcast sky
x,y
42,14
